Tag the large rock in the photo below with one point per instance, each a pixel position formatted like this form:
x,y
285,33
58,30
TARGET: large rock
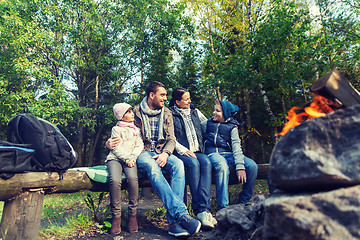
x,y
330,215
320,154
239,221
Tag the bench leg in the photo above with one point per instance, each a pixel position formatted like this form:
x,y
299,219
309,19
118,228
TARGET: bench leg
x,y
21,216
147,192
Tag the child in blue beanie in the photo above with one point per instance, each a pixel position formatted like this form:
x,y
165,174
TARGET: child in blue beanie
x,y
223,146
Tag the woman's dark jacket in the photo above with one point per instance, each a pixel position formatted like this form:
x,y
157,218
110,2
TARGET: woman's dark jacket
x,y
179,127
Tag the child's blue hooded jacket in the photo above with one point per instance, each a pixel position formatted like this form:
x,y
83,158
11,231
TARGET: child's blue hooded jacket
x,y
218,137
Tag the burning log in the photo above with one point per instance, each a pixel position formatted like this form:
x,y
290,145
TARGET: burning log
x,y
335,85
319,107
332,92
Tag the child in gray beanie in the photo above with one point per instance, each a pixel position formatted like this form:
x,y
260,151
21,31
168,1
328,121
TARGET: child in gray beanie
x,y
123,159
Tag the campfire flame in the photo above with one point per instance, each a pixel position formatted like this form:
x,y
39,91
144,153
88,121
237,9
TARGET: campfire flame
x,y
319,107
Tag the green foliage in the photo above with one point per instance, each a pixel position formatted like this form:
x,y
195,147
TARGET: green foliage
x,y
340,37
282,54
157,213
256,49
99,213
70,61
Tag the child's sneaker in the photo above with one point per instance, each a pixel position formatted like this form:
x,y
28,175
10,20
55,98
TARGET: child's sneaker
x,y
191,225
204,218
212,219
177,230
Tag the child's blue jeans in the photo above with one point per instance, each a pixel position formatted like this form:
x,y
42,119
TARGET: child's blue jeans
x,y
221,164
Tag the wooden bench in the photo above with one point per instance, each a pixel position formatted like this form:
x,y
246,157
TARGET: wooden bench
x,y
23,195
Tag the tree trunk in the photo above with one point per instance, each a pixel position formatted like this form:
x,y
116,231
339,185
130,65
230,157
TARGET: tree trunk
x,y
250,19
79,146
248,141
72,181
218,94
94,141
22,215
283,105
97,92
89,161
269,112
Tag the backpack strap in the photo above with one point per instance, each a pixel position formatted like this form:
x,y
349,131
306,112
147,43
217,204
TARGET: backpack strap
x,y
13,132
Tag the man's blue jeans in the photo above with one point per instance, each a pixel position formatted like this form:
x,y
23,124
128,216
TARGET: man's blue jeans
x,y
221,164
172,194
198,176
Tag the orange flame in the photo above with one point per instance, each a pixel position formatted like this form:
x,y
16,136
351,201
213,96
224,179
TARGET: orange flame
x,y
319,107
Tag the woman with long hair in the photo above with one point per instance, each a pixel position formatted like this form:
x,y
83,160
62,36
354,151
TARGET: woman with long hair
x,y
189,148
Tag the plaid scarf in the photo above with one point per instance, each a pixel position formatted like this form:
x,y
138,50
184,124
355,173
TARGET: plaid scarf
x,y
153,121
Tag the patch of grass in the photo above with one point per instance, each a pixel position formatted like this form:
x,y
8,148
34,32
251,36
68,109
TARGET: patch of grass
x,y
67,215
159,213
1,209
261,187
55,206
157,217
77,225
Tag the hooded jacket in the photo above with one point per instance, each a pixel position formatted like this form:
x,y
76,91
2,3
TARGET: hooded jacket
x,y
223,138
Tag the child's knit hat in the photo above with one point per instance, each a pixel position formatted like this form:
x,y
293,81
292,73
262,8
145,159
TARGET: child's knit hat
x,y
228,109
120,110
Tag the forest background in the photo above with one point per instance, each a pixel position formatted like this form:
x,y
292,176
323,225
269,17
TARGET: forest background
x,y
70,61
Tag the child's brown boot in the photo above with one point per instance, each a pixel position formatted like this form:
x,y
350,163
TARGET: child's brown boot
x,y
133,224
116,226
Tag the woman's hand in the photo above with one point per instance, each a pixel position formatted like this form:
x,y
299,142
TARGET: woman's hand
x,y
112,143
189,153
241,175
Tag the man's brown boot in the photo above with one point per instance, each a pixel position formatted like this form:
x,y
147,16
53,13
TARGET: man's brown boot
x,y
133,224
116,226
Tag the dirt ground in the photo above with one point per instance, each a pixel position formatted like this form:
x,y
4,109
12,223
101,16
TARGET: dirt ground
x,y
152,226
149,229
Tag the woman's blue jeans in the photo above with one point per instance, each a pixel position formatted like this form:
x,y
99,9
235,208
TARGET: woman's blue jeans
x,y
198,176
172,194
221,164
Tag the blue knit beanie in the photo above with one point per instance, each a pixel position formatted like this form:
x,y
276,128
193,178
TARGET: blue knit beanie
x,y
228,109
